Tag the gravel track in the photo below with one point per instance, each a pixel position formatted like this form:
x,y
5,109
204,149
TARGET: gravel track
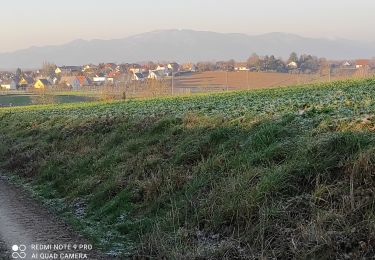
x,y
23,221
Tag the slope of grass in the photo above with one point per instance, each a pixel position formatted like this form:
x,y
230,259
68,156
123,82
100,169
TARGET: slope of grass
x,y
285,173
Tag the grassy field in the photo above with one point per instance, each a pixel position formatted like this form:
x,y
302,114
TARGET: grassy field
x,y
30,99
281,173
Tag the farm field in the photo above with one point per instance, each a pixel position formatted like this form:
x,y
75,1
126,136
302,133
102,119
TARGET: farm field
x,y
272,173
7,100
240,80
217,80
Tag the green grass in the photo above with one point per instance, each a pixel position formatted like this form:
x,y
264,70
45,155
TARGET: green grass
x,y
283,173
15,100
27,99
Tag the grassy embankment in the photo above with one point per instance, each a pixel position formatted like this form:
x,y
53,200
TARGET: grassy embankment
x,y
272,173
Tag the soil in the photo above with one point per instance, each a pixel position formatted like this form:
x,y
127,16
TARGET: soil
x,y
23,221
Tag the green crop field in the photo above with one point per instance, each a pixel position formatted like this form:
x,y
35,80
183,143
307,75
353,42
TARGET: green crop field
x,y
280,173
29,99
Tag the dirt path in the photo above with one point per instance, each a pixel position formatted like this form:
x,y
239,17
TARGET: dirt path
x,y
25,222
4,253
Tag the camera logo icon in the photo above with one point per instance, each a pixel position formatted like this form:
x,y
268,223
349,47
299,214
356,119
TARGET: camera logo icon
x,y
18,252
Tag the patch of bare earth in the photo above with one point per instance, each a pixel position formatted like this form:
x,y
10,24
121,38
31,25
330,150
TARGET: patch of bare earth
x,y
25,222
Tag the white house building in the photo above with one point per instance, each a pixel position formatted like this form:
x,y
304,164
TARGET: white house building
x,y
156,74
9,85
99,80
293,65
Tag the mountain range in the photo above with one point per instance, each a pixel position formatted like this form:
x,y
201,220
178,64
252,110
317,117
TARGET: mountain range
x,y
184,46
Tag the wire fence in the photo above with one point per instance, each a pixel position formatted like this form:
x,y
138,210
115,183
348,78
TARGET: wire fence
x,y
219,81
203,82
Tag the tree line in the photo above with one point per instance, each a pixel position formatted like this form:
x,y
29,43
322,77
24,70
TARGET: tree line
x,y
269,63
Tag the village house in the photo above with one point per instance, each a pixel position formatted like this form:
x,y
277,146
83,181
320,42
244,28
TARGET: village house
x,y
54,80
156,74
42,84
113,74
161,67
14,83
137,70
89,70
138,77
162,70
188,67
10,84
25,82
292,65
57,71
71,81
89,67
84,81
118,68
99,80
241,67
110,66
363,63
174,67
346,64
65,70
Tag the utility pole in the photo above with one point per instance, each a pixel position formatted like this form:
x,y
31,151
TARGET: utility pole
x,y
172,83
329,72
248,80
124,93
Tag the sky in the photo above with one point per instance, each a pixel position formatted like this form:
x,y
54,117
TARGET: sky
x,y
26,23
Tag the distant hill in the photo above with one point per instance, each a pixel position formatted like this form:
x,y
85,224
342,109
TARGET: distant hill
x,y
184,46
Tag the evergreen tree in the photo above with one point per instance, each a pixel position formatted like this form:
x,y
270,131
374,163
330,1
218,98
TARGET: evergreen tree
x,y
293,57
18,72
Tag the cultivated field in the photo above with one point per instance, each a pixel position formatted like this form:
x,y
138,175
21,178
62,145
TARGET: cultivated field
x,y
219,80
285,173
239,80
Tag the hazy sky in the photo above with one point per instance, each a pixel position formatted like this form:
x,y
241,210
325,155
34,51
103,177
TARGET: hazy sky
x,y
26,23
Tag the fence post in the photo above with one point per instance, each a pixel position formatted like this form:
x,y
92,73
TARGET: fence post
x,y
226,78
172,83
329,72
248,80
